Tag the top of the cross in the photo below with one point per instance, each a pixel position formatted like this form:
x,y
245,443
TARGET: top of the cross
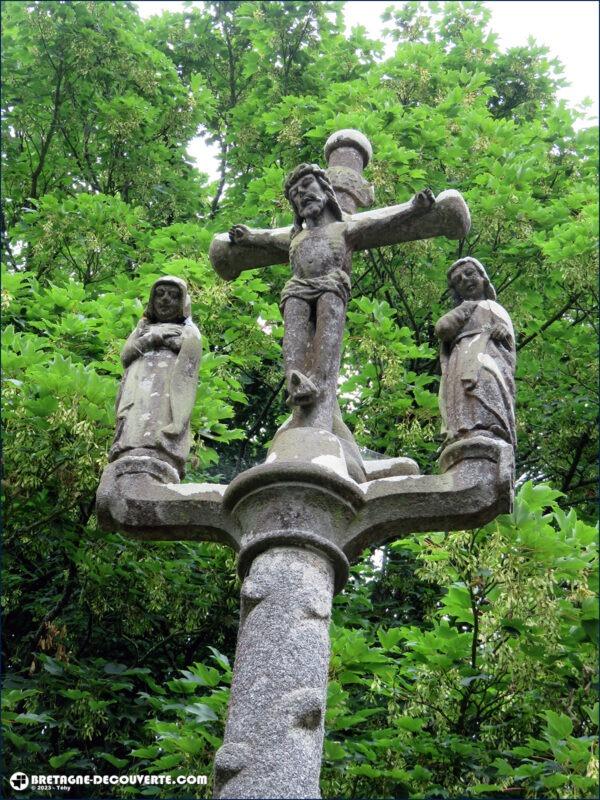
x,y
348,137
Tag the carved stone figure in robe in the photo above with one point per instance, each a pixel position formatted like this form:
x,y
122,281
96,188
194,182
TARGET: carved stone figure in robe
x,y
161,359
477,393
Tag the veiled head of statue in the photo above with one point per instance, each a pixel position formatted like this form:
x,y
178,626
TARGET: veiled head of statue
x,y
169,301
464,278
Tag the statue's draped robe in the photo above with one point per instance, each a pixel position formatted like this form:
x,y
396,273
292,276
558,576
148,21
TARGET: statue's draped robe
x,y
478,385
156,397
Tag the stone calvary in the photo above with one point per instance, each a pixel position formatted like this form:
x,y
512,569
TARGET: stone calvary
x,y
298,520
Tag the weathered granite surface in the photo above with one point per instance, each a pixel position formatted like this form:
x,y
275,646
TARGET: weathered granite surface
x,y
274,735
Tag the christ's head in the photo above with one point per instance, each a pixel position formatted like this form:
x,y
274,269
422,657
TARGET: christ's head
x,y
310,192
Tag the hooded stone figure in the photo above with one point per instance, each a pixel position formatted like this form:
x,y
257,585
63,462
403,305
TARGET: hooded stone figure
x,y
161,358
478,357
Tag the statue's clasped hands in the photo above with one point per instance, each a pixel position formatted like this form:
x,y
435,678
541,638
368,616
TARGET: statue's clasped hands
x,y
165,335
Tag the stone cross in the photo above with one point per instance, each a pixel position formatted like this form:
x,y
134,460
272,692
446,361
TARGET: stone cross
x,y
298,520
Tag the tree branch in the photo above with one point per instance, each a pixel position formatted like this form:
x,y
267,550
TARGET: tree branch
x,y
61,603
579,448
46,142
570,302
257,424
214,206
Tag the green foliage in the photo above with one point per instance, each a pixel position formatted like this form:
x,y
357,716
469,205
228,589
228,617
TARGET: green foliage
x,y
148,728
463,664
489,693
92,106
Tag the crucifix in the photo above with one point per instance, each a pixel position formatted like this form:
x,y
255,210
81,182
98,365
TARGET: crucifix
x,y
319,247
298,520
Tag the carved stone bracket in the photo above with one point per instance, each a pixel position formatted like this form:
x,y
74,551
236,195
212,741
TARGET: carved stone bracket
x,y
143,498
304,497
476,486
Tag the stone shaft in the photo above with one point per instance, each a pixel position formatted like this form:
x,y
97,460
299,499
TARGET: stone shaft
x,y
347,153
274,735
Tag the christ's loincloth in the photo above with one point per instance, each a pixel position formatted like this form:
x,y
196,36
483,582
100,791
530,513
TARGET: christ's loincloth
x,y
310,289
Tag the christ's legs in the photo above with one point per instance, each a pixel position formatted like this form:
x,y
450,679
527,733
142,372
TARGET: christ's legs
x,y
298,330
325,357
312,362
327,344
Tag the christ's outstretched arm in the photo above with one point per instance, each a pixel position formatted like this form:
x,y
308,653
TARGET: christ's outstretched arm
x,y
421,218
247,248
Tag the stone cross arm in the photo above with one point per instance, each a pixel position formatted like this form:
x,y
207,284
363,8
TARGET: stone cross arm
x,y
476,486
448,216
142,497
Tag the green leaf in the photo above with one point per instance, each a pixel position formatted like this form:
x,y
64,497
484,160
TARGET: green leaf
x,y
201,712
594,713
555,780
333,751
59,761
190,745
558,725
42,407
30,718
538,496
51,666
119,763
221,660
74,694
410,724
166,762
145,752
591,630
390,638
